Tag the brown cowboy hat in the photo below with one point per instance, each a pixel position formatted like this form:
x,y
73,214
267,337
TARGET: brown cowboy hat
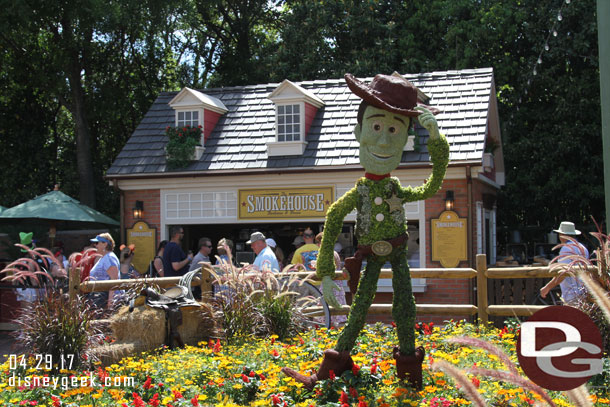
x,y
389,92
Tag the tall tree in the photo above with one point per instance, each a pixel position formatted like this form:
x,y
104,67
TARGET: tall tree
x,y
243,35
102,64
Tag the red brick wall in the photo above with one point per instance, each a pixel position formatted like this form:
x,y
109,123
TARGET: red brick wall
x,y
152,209
445,291
436,205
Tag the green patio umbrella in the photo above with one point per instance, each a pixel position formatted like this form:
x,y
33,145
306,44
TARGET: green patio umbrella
x,y
57,208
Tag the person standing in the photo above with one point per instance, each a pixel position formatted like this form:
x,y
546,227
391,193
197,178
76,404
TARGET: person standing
x,y
107,268
279,253
203,254
265,258
175,262
339,290
571,287
155,269
224,248
308,253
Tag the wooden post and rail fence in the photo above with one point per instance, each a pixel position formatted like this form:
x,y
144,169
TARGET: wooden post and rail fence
x,y
482,274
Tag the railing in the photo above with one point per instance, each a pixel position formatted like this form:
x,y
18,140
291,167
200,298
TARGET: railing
x,y
482,274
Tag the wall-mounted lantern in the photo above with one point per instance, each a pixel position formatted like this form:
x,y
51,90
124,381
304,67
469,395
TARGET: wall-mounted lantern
x,y
449,200
138,210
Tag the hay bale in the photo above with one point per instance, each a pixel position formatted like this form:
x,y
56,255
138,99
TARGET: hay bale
x,y
147,326
144,325
110,353
197,324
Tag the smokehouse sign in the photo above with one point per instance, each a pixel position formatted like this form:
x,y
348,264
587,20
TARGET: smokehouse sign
x,y
310,202
449,239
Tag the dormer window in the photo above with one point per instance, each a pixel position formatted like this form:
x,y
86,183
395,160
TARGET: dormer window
x,y
289,123
187,118
295,109
194,109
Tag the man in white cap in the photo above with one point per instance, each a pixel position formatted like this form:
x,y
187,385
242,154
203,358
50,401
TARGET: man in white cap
x,y
571,287
265,258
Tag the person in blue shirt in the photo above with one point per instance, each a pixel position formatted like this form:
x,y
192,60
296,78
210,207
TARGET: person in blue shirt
x,y
107,268
265,258
175,262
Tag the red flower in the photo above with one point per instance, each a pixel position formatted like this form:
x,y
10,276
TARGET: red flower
x,y
355,369
275,400
343,399
272,341
331,374
353,392
137,400
217,347
147,384
56,402
177,395
194,401
252,374
154,402
476,382
301,341
393,324
373,369
262,377
245,378
275,353
362,403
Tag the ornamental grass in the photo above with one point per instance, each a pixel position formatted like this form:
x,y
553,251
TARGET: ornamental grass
x,y
220,374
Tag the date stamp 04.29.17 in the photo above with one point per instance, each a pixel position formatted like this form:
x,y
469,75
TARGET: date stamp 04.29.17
x,y
33,372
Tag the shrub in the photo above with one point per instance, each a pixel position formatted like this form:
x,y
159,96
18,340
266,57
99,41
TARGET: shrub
x,y
181,145
57,326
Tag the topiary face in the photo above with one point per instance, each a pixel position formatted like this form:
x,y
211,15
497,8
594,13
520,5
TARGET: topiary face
x,y
382,136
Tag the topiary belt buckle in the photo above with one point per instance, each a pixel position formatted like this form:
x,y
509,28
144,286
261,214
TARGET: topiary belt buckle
x,y
382,248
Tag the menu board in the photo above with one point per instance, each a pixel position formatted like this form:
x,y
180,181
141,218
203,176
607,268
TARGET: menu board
x,y
145,239
449,239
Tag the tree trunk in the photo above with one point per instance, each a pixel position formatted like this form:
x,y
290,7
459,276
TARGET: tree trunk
x,y
83,145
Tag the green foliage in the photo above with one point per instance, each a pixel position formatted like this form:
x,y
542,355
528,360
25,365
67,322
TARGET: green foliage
x,y
181,145
58,326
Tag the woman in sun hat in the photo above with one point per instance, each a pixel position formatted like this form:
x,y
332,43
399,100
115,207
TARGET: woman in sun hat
x,y
107,268
571,287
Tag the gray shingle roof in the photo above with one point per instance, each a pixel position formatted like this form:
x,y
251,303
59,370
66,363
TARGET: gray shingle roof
x,y
239,139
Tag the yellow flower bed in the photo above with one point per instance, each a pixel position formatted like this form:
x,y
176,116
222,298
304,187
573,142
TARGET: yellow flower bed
x,y
221,374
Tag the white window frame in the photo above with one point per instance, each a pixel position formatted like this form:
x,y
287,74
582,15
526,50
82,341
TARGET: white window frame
x,y
200,122
300,121
292,147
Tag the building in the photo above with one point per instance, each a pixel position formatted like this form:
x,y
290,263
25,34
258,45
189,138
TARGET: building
x,y
274,156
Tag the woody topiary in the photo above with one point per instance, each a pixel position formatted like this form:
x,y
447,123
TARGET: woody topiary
x,y
386,114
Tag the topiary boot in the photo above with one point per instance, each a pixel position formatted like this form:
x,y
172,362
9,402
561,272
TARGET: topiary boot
x,y
409,366
338,362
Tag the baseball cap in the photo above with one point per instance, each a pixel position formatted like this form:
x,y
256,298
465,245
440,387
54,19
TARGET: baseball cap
x,y
255,237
